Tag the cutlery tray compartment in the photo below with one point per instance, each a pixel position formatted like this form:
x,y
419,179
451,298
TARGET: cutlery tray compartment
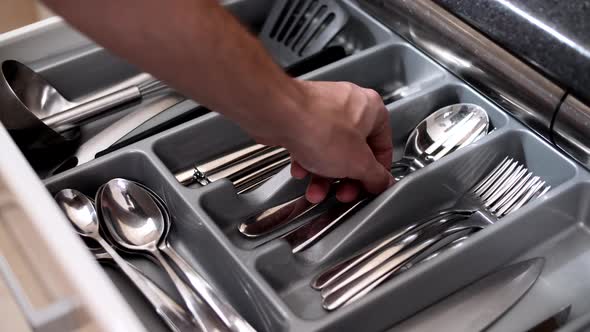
x,y
269,285
196,240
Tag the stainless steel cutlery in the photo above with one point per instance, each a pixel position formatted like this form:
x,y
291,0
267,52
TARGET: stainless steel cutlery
x,y
137,221
245,168
82,214
479,305
553,322
174,315
444,131
507,188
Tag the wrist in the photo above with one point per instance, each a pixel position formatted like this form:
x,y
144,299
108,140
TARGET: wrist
x,y
286,114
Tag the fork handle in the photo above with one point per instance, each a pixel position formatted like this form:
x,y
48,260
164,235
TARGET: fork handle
x,y
330,275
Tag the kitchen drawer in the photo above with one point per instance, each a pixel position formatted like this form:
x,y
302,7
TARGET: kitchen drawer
x,y
266,282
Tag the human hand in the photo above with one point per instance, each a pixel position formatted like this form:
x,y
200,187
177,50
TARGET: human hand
x,y
342,133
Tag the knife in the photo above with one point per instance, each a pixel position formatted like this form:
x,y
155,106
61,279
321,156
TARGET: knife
x,y
554,322
477,306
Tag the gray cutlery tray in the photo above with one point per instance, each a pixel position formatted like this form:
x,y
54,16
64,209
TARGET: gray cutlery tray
x,y
269,285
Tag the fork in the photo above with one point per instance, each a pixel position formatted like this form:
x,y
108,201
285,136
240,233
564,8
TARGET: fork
x,y
504,190
483,187
419,259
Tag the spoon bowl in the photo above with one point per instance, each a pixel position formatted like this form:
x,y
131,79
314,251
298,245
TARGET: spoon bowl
x,y
447,129
135,221
41,120
80,211
19,86
33,90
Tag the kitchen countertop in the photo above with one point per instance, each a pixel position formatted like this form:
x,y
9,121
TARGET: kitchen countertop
x,y
552,35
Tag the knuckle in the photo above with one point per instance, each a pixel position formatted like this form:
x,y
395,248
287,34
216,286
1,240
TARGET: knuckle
x,y
374,96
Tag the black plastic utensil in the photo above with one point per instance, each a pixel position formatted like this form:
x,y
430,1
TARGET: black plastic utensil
x,y
296,29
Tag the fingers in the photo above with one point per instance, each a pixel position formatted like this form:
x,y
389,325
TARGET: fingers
x,y
317,189
377,152
379,136
360,144
373,175
348,191
380,140
297,171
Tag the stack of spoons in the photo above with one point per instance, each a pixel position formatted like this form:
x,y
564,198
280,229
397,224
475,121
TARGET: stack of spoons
x,y
137,221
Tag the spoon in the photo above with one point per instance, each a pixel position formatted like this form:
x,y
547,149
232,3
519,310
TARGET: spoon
x,y
228,314
80,210
447,129
136,222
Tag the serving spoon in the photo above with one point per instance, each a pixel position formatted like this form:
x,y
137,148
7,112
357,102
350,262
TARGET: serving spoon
x,y
137,222
81,212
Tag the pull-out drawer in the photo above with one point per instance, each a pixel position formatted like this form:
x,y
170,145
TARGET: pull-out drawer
x,y
263,280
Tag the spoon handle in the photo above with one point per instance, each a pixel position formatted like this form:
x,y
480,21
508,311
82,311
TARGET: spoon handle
x,y
173,315
201,312
226,313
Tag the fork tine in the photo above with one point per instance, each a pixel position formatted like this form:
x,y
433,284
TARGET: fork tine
x,y
515,199
500,181
491,176
506,186
527,197
457,127
543,192
511,193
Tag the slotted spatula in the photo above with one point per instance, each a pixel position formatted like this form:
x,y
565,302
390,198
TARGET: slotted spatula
x,y
296,29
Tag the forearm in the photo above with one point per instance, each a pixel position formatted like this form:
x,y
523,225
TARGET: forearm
x,y
200,49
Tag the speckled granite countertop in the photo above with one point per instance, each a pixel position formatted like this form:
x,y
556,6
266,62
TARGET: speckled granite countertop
x,y
552,35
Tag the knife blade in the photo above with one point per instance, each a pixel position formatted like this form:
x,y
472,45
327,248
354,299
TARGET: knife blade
x,y
554,322
477,306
